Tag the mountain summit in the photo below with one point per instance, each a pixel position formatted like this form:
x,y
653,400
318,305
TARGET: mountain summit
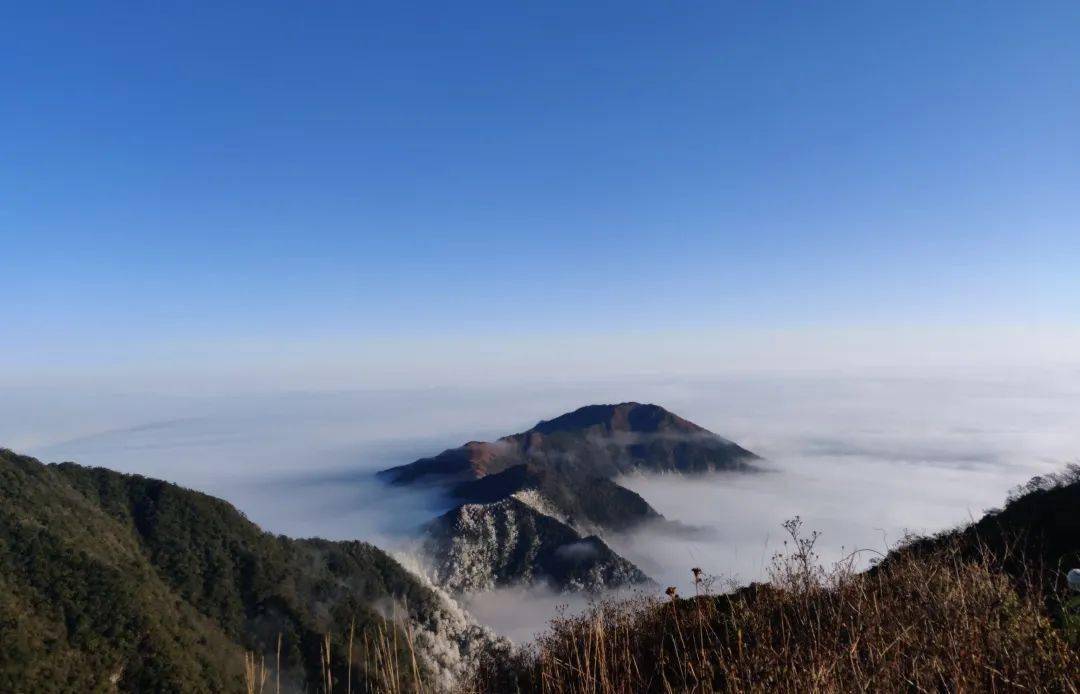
x,y
627,416
595,440
535,505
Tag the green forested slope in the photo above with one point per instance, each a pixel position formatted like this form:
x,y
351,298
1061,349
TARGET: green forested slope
x,y
111,581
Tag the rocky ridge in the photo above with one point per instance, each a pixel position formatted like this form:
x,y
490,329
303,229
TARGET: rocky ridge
x,y
535,506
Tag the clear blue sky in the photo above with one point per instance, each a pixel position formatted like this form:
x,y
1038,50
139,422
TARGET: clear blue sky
x,y
207,174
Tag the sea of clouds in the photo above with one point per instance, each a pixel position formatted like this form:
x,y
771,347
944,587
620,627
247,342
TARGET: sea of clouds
x,y
860,458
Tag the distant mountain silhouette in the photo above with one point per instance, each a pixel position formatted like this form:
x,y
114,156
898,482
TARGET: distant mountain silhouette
x,y
596,440
559,474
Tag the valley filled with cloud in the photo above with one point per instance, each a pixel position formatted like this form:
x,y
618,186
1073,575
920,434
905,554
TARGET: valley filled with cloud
x,y
862,459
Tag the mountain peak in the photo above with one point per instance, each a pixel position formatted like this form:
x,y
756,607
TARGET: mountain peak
x,y
627,416
533,500
591,441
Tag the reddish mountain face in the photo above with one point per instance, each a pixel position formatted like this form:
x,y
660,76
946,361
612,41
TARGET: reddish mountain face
x,y
625,417
593,441
472,461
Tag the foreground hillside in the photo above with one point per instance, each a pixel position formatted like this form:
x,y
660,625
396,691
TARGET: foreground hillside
x,y
1036,535
118,582
981,609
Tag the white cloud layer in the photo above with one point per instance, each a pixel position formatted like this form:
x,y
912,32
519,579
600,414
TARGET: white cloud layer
x,y
861,458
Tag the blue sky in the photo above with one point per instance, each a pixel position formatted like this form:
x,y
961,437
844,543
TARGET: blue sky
x,y
288,180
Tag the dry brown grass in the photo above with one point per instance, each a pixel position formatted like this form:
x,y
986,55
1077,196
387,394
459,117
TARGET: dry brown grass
x,y
384,660
380,660
932,622
255,673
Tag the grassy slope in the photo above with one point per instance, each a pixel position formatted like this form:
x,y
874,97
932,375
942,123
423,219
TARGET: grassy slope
x,y
976,609
110,579
1036,535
